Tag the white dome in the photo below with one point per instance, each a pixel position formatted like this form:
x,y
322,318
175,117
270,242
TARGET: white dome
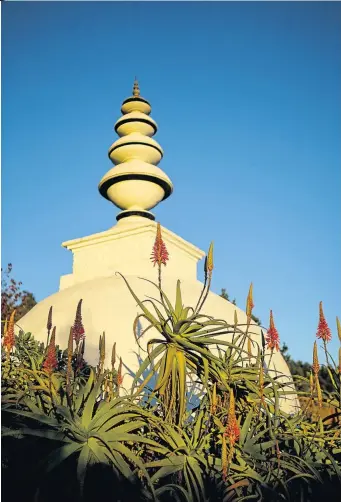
x,y
109,307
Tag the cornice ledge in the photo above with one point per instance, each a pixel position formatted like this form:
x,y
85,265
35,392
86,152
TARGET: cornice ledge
x,y
121,233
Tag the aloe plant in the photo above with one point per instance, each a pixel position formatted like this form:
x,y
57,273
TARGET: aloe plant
x,y
92,430
232,443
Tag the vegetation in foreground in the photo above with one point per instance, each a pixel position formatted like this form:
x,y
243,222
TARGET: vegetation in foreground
x,y
202,421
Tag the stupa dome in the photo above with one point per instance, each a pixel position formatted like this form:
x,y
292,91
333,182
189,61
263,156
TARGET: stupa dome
x,y
135,184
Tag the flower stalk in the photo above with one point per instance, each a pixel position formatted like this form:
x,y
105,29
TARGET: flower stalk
x,y
208,269
214,399
316,369
50,363
232,431
113,357
78,328
272,336
338,326
69,364
323,330
160,254
261,387
49,326
249,307
316,364
119,374
9,336
101,353
224,458
249,350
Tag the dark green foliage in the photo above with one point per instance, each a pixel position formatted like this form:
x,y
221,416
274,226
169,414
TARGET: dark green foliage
x,y
74,435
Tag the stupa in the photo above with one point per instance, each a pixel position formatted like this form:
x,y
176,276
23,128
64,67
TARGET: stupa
x,y
136,185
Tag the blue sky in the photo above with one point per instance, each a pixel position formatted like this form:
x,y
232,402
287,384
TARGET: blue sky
x,y
246,96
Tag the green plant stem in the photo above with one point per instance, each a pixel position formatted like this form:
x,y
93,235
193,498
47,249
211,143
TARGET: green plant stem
x,y
196,310
326,351
204,296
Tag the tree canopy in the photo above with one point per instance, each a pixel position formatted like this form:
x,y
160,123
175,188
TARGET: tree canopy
x,y
13,297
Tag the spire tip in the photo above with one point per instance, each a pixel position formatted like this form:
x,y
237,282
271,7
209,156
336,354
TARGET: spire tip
x,y
136,89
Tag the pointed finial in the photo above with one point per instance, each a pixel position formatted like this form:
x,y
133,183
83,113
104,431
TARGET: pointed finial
x,y
136,89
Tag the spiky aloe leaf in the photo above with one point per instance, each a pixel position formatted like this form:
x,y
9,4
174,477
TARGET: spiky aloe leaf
x,y
39,417
167,466
163,378
124,451
196,480
56,457
178,301
91,402
39,433
150,360
85,391
147,313
82,464
181,364
165,300
246,429
198,426
173,489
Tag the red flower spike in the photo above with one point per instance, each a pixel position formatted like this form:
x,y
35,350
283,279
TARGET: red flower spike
x,y
323,330
51,362
272,336
160,254
78,332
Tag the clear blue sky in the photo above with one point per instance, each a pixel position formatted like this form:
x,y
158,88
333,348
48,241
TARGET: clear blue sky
x,y
247,99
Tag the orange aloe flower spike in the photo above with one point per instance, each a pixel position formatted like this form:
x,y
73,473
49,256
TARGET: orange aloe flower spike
x,y
214,399
119,373
272,336
323,330
78,328
51,362
9,336
338,328
315,365
224,458
113,357
209,263
249,304
160,254
232,429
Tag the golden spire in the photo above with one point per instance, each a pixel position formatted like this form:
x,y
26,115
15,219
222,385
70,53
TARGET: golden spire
x,y
135,184
136,89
